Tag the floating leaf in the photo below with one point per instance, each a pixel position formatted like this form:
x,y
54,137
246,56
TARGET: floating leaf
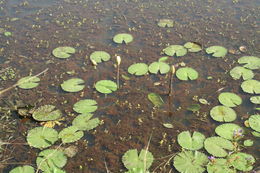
x,y
229,99
204,101
193,107
73,85
248,143
85,106
238,72
155,99
123,38
83,122
28,82
193,47
63,52
138,69
155,67
99,56
194,142
256,134
163,59
251,62
168,125
229,131
216,51
70,134
42,137
190,162
106,86
186,73
219,165
51,159
217,146
46,113
165,23
251,86
254,122
23,169
242,161
7,34
223,114
132,160
179,50
255,99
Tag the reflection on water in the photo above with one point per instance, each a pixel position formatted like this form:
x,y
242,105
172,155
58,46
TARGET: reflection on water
x,y
37,27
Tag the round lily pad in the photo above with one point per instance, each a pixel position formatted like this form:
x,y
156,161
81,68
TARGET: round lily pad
x,y
250,62
106,86
99,56
248,143
138,69
217,51
84,122
73,85
254,122
242,161
251,86
229,99
161,67
85,106
219,165
28,82
238,72
229,131
63,52
255,99
42,137
223,114
186,73
23,169
70,134
194,142
46,113
165,23
193,47
177,50
190,162
217,146
123,38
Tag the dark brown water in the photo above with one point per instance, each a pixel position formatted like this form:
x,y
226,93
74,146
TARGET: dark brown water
x,y
39,26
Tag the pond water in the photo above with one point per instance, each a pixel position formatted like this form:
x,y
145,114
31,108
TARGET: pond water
x,y
128,117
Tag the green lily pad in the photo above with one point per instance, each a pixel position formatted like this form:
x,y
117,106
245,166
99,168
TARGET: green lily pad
x,y
63,52
99,56
229,131
85,106
193,47
186,73
28,82
251,86
177,50
220,165
132,160
194,142
193,107
23,169
51,159
163,59
7,34
229,99
248,143
238,72
242,161
70,134
155,99
250,62
138,69
255,99
254,122
165,23
216,51
42,137
136,170
256,134
46,113
217,146
223,114
73,85
106,86
190,162
84,122
155,67
123,38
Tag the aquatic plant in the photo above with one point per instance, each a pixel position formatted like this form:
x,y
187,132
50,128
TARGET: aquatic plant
x,y
99,56
123,38
254,122
193,47
85,106
28,82
248,143
229,99
106,86
73,85
70,134
242,161
177,50
217,51
223,114
155,99
46,113
161,67
84,122
251,86
191,142
230,131
187,73
23,169
165,23
63,52
138,69
241,72
250,62
255,99
194,107
220,165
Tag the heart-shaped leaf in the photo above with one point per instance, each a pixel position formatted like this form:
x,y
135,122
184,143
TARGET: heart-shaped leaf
x,y
155,67
217,146
123,38
138,69
186,73
23,169
99,56
46,113
254,122
165,23
230,131
193,47
106,86
217,51
255,99
84,122
223,114
229,99
85,106
70,134
194,142
177,50
28,82
238,72
73,85
251,86
63,52
250,62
